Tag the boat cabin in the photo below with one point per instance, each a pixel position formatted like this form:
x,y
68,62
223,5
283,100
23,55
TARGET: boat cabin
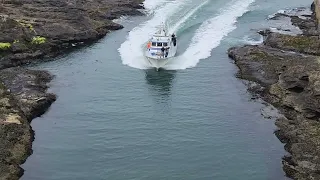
x,y
156,43
162,45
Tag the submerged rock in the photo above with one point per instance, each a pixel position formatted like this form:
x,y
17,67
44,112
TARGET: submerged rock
x,y
288,70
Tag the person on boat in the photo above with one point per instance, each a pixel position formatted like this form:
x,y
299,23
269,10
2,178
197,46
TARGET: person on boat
x,y
162,50
174,39
149,45
167,51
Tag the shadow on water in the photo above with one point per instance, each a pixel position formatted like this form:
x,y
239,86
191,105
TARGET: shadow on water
x,y
160,82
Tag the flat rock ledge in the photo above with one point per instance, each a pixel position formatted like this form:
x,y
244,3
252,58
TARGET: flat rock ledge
x,y
286,69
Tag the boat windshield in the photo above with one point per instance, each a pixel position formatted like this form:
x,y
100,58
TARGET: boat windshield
x,y
159,44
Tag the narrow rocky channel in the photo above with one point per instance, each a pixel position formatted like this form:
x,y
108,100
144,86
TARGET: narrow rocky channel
x,y
283,70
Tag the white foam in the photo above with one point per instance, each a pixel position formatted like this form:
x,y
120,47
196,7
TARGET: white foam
x,y
152,5
210,34
121,20
300,12
185,17
252,41
206,38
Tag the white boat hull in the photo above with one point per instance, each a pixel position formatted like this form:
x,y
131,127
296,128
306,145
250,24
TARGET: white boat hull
x,y
161,47
158,63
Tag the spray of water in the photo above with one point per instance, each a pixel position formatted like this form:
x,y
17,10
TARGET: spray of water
x,y
210,34
207,37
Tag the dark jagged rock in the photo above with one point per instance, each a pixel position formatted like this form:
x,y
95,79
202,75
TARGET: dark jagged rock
x,y
29,88
22,97
288,70
264,32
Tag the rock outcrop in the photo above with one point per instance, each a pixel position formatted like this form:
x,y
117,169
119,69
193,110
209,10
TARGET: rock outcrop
x,y
22,97
287,71
36,29
32,30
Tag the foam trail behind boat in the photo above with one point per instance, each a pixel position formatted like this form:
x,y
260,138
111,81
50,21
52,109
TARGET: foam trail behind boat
x,y
132,50
209,35
151,5
185,17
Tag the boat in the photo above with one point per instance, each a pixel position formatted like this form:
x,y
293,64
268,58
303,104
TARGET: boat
x,y
161,47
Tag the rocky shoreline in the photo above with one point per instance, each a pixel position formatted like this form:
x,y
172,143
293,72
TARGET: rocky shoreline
x,y
285,69
22,97
33,31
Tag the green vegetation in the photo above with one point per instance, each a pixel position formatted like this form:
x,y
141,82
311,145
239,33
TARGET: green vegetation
x,y
258,55
25,24
300,42
4,46
38,40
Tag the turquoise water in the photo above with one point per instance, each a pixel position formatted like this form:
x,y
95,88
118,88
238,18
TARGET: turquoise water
x,y
116,119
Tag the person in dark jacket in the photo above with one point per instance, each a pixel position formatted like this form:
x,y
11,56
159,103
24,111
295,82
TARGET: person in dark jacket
x,y
174,39
162,50
167,51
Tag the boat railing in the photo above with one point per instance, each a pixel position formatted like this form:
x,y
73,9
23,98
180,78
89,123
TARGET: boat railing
x,y
162,55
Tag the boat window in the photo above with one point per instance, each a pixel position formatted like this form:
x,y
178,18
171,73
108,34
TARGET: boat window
x,y
165,44
159,44
154,44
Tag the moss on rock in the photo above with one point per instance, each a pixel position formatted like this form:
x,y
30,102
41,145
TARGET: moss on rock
x,y
38,40
5,46
26,24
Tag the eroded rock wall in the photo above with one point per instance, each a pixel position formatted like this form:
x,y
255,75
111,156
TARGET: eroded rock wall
x,y
286,69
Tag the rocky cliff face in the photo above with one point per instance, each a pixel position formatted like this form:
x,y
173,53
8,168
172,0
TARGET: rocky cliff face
x,y
22,97
287,70
32,30
36,29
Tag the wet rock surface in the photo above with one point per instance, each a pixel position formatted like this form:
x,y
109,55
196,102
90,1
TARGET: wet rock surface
x,y
287,68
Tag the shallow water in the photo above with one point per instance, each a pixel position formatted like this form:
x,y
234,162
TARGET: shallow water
x,y
117,119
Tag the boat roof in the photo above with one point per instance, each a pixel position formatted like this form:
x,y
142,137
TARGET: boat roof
x,y
162,30
162,34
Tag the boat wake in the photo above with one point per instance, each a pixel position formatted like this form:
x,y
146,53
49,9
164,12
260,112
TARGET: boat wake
x,y
207,37
131,51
